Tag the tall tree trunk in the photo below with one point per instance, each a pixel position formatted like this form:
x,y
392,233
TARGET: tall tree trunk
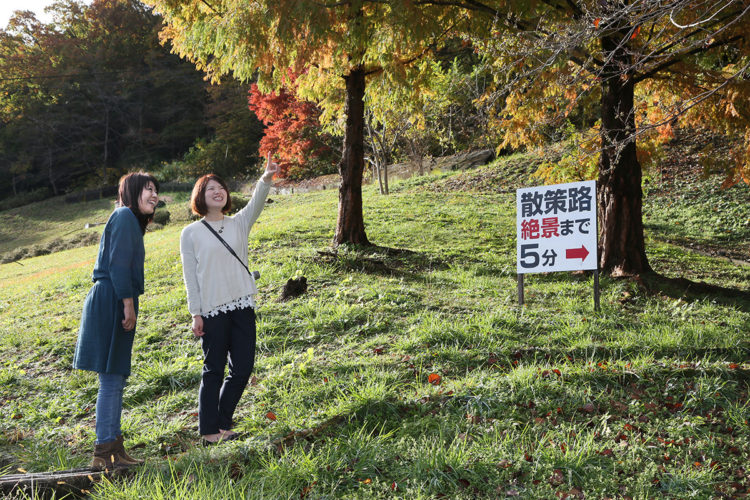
x,y
622,249
380,176
350,226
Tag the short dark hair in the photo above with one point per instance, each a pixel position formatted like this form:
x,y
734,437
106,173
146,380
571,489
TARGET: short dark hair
x,y
198,197
129,192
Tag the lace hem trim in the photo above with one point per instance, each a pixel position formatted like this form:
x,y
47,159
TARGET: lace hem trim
x,y
241,303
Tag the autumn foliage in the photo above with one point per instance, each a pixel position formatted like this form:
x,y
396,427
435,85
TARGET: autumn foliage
x,y
293,132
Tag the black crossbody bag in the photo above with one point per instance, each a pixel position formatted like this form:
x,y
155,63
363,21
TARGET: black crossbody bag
x,y
253,274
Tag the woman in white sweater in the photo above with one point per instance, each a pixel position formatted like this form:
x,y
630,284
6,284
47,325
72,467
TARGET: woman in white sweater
x,y
221,297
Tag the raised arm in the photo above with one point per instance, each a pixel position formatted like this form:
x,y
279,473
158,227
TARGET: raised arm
x,y
248,215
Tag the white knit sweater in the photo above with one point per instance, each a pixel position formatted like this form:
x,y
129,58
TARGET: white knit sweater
x,y
213,277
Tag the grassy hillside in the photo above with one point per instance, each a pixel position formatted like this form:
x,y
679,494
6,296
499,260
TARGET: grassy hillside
x,y
408,370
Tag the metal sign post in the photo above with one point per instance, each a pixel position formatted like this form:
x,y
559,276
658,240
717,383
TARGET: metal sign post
x,y
596,290
557,231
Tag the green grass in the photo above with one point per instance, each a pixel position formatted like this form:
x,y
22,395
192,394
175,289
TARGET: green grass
x,y
696,212
646,399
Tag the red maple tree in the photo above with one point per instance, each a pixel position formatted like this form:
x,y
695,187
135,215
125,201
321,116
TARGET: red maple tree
x,y
293,132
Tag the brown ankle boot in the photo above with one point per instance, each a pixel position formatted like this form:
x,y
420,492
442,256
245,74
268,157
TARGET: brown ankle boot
x,y
123,455
106,456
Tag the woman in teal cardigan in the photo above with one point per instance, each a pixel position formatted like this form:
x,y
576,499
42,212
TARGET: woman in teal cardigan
x,y
105,338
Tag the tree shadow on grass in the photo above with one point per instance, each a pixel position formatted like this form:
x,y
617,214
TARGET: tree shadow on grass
x,y
442,418
384,261
595,355
682,288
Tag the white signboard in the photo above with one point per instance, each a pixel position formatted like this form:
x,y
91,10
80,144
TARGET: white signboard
x,y
556,228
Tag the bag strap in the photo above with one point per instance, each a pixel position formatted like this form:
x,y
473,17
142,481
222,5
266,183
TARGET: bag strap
x,y
226,245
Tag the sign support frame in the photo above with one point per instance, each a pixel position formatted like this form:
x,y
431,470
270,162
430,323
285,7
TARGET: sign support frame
x,y
597,306
530,249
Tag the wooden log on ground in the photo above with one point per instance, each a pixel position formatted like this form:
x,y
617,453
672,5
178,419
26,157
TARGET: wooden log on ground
x,y
43,484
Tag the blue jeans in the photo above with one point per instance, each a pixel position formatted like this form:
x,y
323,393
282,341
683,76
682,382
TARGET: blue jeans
x,y
109,407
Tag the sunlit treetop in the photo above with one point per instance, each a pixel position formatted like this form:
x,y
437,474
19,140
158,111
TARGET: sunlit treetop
x,y
321,42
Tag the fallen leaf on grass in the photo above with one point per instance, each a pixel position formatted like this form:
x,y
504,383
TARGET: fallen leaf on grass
x,y
271,415
588,408
236,471
474,419
434,379
306,490
557,478
618,406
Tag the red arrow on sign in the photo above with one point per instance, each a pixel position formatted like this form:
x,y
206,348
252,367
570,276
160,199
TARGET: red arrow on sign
x,y
577,253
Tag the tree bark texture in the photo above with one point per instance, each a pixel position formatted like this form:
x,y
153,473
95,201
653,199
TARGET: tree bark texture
x,y
350,225
622,248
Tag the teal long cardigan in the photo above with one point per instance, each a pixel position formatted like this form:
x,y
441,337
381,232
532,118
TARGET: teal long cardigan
x,y
103,344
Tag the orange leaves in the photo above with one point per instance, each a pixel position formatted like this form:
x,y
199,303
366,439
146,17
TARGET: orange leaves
x,y
636,31
434,379
271,416
549,373
597,21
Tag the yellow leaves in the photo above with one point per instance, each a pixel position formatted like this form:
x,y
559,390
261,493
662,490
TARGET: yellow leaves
x,y
730,109
739,171
578,159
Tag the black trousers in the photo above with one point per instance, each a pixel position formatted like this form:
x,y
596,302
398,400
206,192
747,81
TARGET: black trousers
x,y
229,339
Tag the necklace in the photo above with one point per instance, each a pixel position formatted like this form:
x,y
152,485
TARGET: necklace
x,y
221,229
